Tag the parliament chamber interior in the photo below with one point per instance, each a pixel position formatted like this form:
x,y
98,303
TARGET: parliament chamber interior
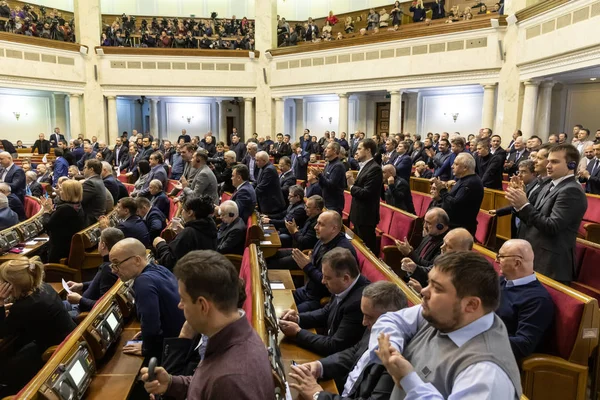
x,y
284,199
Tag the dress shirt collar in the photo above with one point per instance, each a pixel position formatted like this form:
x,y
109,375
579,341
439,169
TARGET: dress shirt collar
x,y
362,164
468,332
235,332
9,167
241,184
556,182
521,281
342,295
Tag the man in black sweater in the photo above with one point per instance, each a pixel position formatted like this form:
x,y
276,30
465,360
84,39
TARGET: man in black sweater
x,y
489,166
352,369
340,318
84,295
397,194
332,179
462,202
526,307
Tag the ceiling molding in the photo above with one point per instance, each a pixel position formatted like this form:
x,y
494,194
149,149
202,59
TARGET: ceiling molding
x,y
20,82
574,60
184,91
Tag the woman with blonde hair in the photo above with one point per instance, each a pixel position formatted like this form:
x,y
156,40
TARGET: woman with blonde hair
x,y
37,319
66,220
418,10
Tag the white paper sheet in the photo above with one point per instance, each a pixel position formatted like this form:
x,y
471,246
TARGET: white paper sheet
x,y
265,242
276,286
66,287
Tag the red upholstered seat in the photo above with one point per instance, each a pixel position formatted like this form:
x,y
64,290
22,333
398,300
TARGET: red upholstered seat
x,y
246,275
592,214
588,279
347,202
504,185
225,196
122,178
421,201
385,218
130,187
367,269
171,185
486,229
172,209
568,312
32,206
402,226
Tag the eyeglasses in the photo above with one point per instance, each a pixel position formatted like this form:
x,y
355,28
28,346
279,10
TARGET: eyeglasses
x,y
500,257
116,265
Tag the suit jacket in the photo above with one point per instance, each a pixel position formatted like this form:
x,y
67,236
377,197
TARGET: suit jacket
x,y
245,198
300,165
155,222
157,172
280,150
8,218
61,168
294,212
490,170
306,237
365,195
35,189
54,139
113,187
374,382
15,178
341,320
94,198
135,227
46,178
515,160
41,146
161,201
231,238
462,202
240,150
333,182
145,153
287,180
593,182
314,189
77,153
551,226
204,183
393,156
531,196
427,251
403,166
268,191
15,204
84,158
398,195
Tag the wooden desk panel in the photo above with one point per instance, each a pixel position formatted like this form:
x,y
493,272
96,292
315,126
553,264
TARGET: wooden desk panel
x,y
118,363
271,235
58,287
32,250
282,275
111,387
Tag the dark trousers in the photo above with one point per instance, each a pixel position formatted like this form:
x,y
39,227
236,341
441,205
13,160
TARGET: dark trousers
x,y
282,260
19,368
367,234
304,302
286,240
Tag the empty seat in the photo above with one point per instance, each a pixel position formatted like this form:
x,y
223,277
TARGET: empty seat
x,y
590,225
32,206
225,196
588,278
171,185
486,229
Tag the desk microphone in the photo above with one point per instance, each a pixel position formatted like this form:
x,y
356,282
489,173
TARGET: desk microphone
x,y
151,368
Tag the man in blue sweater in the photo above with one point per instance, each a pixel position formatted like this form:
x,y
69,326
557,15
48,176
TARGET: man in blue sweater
x,y
156,297
526,307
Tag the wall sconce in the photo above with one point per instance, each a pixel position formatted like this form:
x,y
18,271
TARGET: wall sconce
x,y
454,116
330,119
189,118
17,114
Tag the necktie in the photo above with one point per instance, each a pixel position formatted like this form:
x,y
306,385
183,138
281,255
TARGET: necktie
x,y
28,190
595,168
426,248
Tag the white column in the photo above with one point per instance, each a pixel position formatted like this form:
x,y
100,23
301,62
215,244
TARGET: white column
x,y
411,112
75,114
113,124
154,117
248,117
343,114
265,38
489,102
223,120
395,108
279,115
529,107
299,103
543,110
361,115
60,113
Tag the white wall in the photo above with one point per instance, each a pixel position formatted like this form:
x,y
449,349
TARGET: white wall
x,y
582,107
129,115
200,8
35,116
296,10
317,112
436,112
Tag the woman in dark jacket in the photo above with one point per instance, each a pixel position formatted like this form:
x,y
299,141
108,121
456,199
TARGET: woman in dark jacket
x,y
199,232
37,319
66,220
418,11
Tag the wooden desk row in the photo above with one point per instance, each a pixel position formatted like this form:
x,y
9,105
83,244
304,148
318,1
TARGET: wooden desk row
x,y
26,234
90,362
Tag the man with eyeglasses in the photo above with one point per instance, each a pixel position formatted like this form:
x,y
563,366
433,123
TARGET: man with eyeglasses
x,y
156,297
526,307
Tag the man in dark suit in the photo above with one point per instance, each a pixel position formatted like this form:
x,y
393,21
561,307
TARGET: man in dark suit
x,y
10,148
295,212
109,181
366,192
268,190
551,224
397,194
43,174
300,160
496,149
94,191
462,202
56,137
352,369
12,175
591,175
159,198
77,151
132,225
516,134
341,318
511,166
231,236
244,195
88,154
32,188
67,153
287,178
332,179
390,152
238,147
41,146
358,137
403,162
281,148
14,203
311,30
154,219
488,166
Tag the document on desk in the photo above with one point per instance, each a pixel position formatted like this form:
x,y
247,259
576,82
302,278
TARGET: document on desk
x,y
277,286
66,287
31,243
288,393
265,242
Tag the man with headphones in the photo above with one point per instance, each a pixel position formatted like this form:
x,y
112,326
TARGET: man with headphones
x,y
552,222
416,263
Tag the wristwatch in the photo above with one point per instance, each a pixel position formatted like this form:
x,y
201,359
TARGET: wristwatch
x,y
316,396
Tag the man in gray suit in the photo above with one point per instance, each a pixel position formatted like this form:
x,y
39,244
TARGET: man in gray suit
x,y
94,191
204,182
551,223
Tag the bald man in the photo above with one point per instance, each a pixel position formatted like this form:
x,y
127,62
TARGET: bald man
x,y
397,193
12,175
462,202
526,308
268,190
156,297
